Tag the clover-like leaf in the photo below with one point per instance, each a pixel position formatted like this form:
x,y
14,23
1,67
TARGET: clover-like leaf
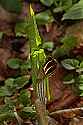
x,y
14,63
70,64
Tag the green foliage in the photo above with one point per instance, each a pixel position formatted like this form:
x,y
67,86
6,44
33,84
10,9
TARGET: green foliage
x,y
47,2
24,98
9,82
67,44
75,12
25,66
4,92
13,84
13,6
62,5
81,79
20,28
1,35
81,84
44,17
14,63
6,112
73,8
21,81
70,64
29,112
48,46
69,79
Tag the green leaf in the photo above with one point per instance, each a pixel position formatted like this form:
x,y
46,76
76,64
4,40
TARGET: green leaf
x,y
81,65
44,17
13,84
81,94
70,64
1,35
69,41
80,69
6,113
69,79
26,66
14,63
30,111
9,84
24,97
81,79
20,82
47,2
13,6
9,81
66,4
59,52
62,5
75,12
48,45
20,28
4,92
81,87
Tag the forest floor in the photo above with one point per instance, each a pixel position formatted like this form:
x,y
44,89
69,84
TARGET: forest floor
x,y
65,105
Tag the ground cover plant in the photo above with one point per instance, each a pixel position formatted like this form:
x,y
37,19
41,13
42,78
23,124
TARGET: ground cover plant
x,y
41,62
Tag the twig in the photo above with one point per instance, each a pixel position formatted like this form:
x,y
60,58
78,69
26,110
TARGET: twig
x,y
5,123
20,121
66,110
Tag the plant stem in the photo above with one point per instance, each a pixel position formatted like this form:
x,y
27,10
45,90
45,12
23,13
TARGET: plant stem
x,y
66,111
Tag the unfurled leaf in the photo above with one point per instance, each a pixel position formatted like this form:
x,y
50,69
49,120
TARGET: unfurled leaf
x,y
70,64
47,2
14,63
13,6
44,17
75,12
